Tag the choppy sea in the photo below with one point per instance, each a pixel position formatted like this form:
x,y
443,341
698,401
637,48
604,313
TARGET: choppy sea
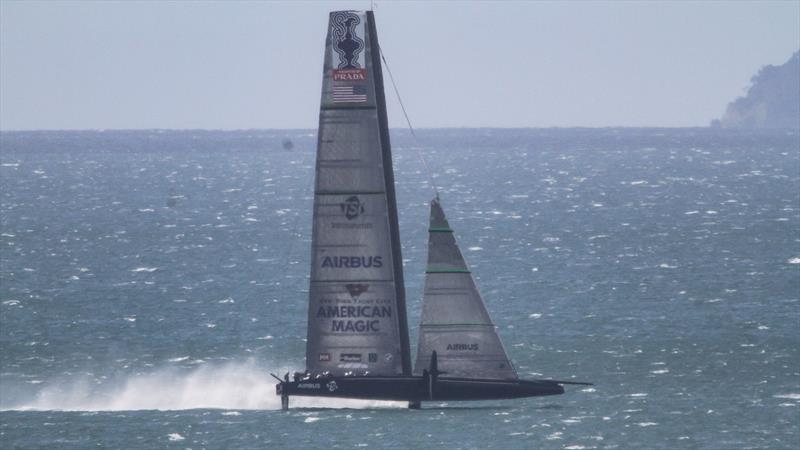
x,y
151,280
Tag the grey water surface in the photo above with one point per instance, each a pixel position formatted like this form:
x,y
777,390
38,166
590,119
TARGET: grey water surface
x,y
151,280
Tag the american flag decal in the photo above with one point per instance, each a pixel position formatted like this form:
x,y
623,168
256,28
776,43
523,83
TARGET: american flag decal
x,y
350,94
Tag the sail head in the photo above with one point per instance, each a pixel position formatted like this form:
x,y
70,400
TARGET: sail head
x,y
455,322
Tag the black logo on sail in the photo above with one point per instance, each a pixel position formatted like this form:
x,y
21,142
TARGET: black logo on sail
x,y
462,347
350,357
346,43
352,262
352,207
356,289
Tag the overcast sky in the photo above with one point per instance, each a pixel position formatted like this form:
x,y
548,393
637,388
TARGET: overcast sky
x,y
235,65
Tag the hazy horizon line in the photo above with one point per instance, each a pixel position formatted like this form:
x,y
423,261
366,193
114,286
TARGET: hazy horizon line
x,y
612,127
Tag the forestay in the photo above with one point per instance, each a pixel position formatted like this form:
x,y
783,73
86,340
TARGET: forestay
x,y
356,317
454,321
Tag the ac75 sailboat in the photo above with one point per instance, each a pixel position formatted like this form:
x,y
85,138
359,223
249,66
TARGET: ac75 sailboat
x,y
358,344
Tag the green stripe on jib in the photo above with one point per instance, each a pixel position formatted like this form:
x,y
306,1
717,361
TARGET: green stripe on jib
x,y
440,230
436,270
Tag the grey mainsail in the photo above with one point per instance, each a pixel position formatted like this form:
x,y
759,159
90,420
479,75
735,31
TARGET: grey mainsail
x,y
454,321
357,315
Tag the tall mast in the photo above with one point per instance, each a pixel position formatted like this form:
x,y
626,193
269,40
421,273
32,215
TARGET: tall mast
x,y
388,173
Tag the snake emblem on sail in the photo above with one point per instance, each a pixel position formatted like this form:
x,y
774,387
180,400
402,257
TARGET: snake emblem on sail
x,y
348,45
345,40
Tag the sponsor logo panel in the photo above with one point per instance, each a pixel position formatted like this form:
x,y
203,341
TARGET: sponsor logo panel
x,y
350,357
354,309
356,289
347,40
349,75
351,262
461,347
352,207
348,57
352,213
356,318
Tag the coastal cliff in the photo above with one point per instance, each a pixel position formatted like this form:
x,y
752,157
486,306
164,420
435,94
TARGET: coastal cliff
x,y
772,101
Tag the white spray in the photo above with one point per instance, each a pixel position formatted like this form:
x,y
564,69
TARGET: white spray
x,y
236,385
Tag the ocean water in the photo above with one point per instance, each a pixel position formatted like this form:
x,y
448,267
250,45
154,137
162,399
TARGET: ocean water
x,y
151,280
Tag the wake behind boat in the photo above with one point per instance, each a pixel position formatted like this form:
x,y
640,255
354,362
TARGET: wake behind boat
x,y
358,345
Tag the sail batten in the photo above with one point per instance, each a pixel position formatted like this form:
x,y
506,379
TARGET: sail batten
x,y
455,323
356,314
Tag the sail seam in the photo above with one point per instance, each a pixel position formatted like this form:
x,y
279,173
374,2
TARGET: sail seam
x,y
352,281
349,192
345,108
447,271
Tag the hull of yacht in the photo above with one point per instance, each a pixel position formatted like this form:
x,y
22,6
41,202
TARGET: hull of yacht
x,y
418,388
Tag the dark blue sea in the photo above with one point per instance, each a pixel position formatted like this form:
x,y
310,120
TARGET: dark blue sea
x,y
151,280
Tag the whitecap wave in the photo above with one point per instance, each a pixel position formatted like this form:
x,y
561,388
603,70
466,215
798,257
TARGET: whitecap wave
x,y
791,396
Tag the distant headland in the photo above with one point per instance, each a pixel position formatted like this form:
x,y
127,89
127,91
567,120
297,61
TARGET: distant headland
x,y
773,100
